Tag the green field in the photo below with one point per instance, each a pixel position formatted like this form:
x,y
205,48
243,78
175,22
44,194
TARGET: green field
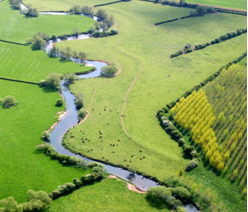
x,y
22,167
103,196
150,46
16,27
32,65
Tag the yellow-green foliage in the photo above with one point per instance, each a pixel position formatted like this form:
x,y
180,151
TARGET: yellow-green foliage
x,y
195,114
217,120
227,94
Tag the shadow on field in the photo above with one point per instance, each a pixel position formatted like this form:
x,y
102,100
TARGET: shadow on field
x,y
156,203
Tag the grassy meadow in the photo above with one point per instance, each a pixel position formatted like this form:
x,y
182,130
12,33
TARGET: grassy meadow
x,y
20,62
16,27
102,196
160,81
23,168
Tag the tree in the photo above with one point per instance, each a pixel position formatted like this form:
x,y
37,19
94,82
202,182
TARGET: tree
x,y
86,10
15,4
69,78
10,205
132,170
9,101
32,12
181,192
54,52
46,135
75,9
59,102
79,100
201,10
82,56
53,81
181,209
101,14
38,43
108,70
82,113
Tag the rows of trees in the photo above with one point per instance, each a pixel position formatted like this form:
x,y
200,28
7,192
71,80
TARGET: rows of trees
x,y
228,96
196,115
217,120
104,20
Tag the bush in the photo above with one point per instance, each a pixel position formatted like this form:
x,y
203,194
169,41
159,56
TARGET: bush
x,y
191,165
101,14
76,9
15,4
45,146
9,101
182,193
69,78
59,102
108,70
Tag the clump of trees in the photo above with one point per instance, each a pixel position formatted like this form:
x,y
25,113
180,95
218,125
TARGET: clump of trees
x,y
46,136
8,101
201,10
37,201
86,10
79,100
109,70
67,54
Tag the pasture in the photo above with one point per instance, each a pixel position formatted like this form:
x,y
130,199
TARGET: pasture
x,y
16,27
146,52
102,196
20,62
22,167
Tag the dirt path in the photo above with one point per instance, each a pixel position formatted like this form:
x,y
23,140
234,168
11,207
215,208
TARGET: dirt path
x,y
130,87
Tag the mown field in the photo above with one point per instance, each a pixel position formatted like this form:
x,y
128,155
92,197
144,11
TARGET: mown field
x,y
20,62
16,27
103,197
152,47
23,168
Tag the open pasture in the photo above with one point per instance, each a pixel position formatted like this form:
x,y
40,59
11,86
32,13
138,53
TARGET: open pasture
x,y
102,197
22,167
20,62
17,28
145,51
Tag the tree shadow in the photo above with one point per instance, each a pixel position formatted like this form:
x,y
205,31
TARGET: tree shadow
x,y
156,203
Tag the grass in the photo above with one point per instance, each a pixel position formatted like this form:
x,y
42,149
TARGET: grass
x,y
162,79
103,196
16,27
23,168
32,65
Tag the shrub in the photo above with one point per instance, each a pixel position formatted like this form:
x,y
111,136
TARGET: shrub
x,y
94,164
132,170
210,10
59,102
15,4
108,70
181,209
45,146
191,165
54,37
9,204
76,9
101,14
9,101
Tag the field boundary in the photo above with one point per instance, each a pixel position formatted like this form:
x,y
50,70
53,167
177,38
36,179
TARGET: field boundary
x,y
11,42
193,6
22,81
114,2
